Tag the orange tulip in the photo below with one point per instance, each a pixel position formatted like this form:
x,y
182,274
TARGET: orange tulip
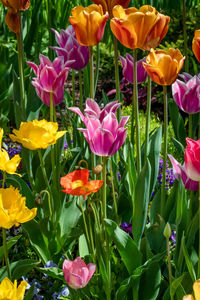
x,y
89,23
196,44
12,19
164,66
109,4
142,28
77,183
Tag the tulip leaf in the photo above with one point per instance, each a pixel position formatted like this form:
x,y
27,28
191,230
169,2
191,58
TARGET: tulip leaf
x,y
141,201
53,272
176,283
10,244
34,106
125,245
30,293
188,260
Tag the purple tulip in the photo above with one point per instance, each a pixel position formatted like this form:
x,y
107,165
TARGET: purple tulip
x,y
179,170
51,77
70,48
127,64
103,133
187,94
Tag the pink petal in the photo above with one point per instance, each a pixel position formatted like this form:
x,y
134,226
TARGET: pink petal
x,y
110,123
92,268
102,142
33,66
119,141
123,121
44,60
92,105
77,111
178,90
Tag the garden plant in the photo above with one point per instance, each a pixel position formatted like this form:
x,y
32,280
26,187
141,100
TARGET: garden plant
x,y
100,149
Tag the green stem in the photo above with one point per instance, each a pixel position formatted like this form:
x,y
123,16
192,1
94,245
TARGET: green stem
x,y
49,9
49,201
97,67
4,179
186,64
117,86
104,202
190,125
169,268
113,191
73,87
80,89
51,106
148,117
199,235
21,68
163,188
135,113
5,250
91,72
91,238
85,225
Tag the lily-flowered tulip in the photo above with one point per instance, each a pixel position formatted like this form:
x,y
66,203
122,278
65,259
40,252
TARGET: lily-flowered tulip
x,y
51,77
6,164
127,64
196,44
77,273
187,95
103,133
89,23
142,28
70,48
108,5
164,66
77,183
12,19
13,209
10,291
192,159
180,171
196,289
37,134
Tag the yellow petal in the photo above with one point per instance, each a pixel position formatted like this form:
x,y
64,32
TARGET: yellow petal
x,y
196,288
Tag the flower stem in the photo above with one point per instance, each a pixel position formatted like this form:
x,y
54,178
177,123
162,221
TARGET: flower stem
x,y
21,68
169,268
91,72
80,89
113,191
85,225
51,106
148,117
135,113
73,87
199,234
104,202
163,191
190,125
49,20
4,179
5,250
117,86
185,38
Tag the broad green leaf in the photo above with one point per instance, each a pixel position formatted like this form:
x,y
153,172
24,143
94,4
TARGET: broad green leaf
x,y
10,244
53,272
188,260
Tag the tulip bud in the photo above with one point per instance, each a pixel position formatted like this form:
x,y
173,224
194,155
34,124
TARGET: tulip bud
x,y
39,200
167,231
97,170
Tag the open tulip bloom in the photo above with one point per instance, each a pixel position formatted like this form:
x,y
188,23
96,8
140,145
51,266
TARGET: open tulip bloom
x,y
103,132
50,78
10,291
109,4
196,44
70,48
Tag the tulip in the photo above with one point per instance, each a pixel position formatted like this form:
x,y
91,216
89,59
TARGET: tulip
x,y
196,44
184,92
127,64
12,20
185,76
103,133
89,23
142,28
51,77
108,5
77,273
163,66
192,159
37,134
196,289
10,291
6,164
70,48
13,209
77,183
180,171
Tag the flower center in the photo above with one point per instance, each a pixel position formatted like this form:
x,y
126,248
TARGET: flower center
x,y
76,184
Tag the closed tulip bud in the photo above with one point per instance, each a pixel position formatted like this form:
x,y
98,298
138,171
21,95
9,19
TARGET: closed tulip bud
x,y
196,44
167,231
97,170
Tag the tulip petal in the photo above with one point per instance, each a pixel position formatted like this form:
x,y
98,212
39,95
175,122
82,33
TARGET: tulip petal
x,y
119,141
179,88
102,142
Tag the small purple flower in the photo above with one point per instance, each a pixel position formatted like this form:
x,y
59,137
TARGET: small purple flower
x,y
50,264
170,177
119,176
70,48
173,238
127,227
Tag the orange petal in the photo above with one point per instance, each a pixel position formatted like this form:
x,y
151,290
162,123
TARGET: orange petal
x,y
196,44
13,21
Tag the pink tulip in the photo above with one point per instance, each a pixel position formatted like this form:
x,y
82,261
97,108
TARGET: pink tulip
x,y
192,159
127,64
70,48
77,273
187,94
180,171
103,132
51,77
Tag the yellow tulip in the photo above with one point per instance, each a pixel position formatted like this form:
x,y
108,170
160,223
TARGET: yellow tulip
x,y
13,209
88,23
164,66
142,28
37,134
6,164
196,289
10,291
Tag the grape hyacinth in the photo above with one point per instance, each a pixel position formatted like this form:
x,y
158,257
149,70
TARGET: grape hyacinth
x,y
127,227
170,177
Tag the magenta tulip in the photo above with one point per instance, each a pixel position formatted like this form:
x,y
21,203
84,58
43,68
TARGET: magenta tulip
x,y
103,132
127,64
180,171
70,48
187,94
192,159
51,77
77,273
